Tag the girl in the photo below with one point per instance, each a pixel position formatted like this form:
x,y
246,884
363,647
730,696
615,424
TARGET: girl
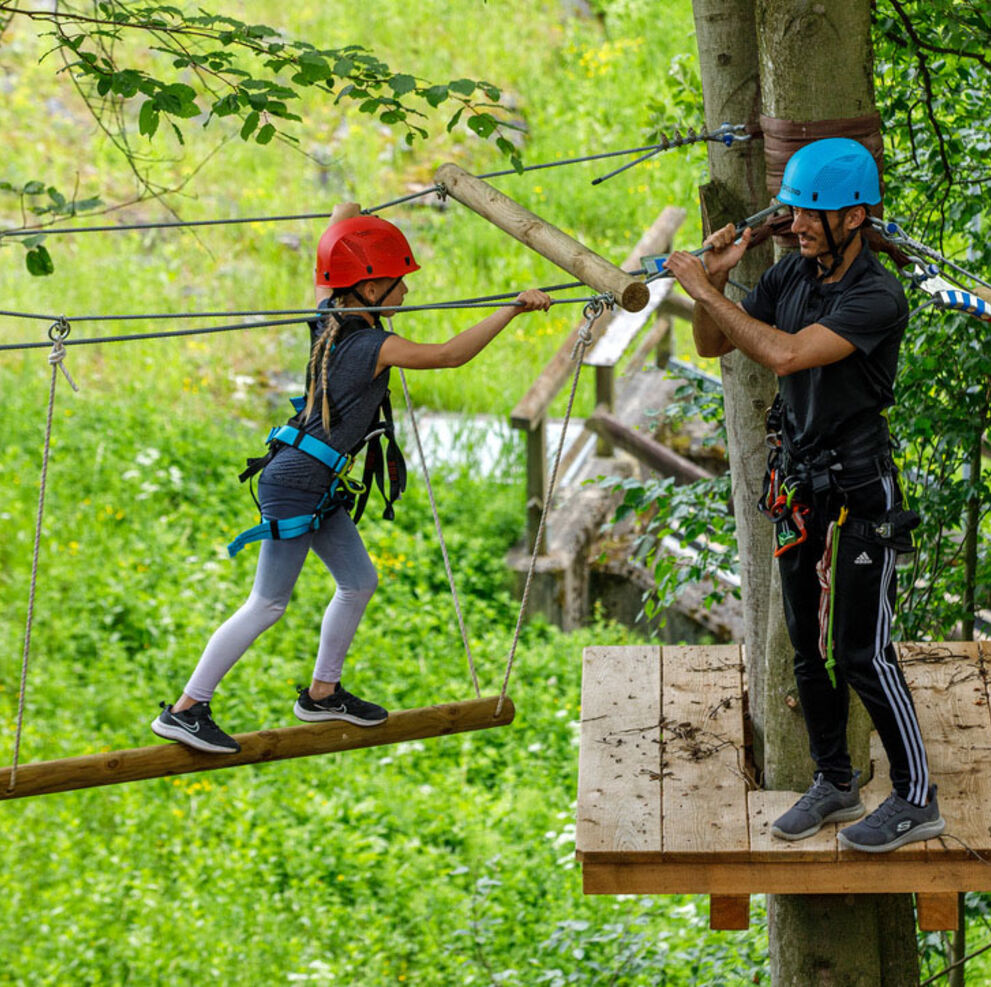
x,y
361,262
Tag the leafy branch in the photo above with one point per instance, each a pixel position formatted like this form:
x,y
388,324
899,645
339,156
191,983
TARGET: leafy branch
x,y
231,70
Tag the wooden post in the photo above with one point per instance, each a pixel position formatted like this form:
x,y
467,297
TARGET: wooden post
x,y
937,912
729,912
539,235
113,767
605,397
536,483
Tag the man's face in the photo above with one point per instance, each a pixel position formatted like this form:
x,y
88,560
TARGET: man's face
x,y
806,224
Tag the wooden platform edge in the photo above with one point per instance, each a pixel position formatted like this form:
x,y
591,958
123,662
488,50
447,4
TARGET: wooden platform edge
x,y
263,746
884,876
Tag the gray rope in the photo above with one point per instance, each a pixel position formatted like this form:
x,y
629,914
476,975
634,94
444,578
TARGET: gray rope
x,y
727,134
440,532
593,310
489,301
58,332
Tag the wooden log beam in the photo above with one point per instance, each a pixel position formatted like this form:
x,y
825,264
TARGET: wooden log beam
x,y
163,760
643,447
539,235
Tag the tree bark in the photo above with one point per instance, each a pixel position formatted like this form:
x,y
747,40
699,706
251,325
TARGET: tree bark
x,y
816,63
726,33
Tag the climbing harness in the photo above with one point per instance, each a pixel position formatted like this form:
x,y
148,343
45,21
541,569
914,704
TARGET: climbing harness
x,y
343,489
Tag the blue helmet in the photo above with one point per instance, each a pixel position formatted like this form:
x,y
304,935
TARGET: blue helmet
x,y
831,174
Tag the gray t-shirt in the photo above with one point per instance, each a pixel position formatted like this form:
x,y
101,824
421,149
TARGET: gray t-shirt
x,y
355,394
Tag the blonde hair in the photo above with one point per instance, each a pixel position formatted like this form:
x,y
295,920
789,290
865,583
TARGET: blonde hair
x,y
317,370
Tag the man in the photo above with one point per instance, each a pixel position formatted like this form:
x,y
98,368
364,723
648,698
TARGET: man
x,y
828,320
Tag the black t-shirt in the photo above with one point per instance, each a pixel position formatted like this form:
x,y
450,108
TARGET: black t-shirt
x,y
840,404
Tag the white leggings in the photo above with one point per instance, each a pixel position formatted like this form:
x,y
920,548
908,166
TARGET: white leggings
x,y
339,546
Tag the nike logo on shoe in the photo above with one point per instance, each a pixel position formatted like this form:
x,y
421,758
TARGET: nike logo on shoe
x,y
863,559
193,727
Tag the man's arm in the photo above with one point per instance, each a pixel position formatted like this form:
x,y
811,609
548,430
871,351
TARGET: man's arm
x,y
720,326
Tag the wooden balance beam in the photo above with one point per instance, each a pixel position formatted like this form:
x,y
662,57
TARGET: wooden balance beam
x,y
164,760
539,235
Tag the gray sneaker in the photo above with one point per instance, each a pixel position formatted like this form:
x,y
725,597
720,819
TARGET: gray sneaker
x,y
822,803
894,823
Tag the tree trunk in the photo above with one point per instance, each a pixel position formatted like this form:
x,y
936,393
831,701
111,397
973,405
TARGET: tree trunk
x,y
816,63
727,36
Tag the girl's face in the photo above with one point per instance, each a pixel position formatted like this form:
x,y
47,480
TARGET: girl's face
x,y
393,299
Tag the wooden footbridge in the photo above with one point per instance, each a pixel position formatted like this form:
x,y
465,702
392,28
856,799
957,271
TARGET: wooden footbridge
x,y
667,802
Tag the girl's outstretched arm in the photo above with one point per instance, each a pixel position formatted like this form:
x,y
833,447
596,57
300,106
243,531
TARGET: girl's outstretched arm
x,y
399,352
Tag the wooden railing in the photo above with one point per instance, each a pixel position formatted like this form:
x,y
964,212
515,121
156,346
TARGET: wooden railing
x,y
612,334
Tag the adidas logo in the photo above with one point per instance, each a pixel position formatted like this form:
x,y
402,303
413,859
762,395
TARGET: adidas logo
x,y
863,559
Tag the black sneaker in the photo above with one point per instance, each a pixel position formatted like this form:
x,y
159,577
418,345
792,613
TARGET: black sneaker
x,y
195,728
339,705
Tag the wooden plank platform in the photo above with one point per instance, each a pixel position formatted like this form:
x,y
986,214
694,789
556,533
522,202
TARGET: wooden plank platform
x,y
665,803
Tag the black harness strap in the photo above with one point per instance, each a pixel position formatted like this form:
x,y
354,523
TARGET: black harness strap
x,y
376,465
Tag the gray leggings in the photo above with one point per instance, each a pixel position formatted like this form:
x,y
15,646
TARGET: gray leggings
x,y
338,545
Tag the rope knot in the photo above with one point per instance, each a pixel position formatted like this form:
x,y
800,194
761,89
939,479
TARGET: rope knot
x,y
592,310
57,333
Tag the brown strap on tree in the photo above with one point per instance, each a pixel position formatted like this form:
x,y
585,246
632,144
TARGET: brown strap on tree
x,y
782,138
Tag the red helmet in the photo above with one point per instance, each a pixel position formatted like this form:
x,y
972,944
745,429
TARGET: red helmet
x,y
360,248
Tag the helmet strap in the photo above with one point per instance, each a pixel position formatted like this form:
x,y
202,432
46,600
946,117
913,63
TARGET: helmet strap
x,y
366,302
836,252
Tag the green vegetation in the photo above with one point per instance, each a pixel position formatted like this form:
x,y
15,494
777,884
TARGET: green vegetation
x,y
436,863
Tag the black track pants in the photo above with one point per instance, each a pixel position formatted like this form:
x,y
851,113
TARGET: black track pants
x,y
864,589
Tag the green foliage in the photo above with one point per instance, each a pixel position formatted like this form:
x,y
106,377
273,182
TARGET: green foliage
x,y
250,72
934,97
697,516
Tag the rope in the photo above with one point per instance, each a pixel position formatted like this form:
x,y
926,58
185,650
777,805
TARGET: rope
x,y
727,134
895,234
310,312
592,311
440,533
58,331
489,301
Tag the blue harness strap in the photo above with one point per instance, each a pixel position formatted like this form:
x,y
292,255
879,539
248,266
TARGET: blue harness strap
x,y
305,442
291,527
376,466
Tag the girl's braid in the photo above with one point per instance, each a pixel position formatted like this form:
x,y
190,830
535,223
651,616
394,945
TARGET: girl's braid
x,y
319,359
